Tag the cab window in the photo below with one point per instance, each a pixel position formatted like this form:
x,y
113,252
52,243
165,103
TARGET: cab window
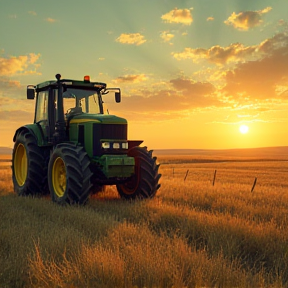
x,y
91,104
42,107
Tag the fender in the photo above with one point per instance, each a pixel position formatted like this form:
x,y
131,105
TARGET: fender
x,y
35,130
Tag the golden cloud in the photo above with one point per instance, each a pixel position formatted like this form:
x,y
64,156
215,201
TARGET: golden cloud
x,y
166,36
269,45
132,38
13,65
51,20
217,54
264,79
34,57
12,83
131,78
247,19
11,89
183,94
182,16
210,19
235,52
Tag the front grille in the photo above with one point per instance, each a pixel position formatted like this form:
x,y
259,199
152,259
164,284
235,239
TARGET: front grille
x,y
114,131
107,132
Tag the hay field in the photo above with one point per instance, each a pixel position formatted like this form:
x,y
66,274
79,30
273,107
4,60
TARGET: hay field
x,y
192,234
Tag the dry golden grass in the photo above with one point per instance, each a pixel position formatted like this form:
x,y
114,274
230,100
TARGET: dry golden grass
x,y
192,234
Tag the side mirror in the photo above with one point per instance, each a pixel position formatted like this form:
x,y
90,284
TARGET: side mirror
x,y
30,92
118,97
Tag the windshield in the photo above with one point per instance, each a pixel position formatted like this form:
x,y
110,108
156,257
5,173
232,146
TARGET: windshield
x,y
81,101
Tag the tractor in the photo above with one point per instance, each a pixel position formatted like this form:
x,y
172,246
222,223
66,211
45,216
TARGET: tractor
x,y
74,149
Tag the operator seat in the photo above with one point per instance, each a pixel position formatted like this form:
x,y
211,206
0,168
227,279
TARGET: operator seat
x,y
72,112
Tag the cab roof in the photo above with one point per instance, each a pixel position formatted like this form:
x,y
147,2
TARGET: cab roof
x,y
71,83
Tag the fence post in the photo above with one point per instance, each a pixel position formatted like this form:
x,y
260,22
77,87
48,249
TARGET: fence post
x,y
214,177
186,174
254,184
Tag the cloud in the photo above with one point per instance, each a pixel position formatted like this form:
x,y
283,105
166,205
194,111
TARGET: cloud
x,y
51,20
283,24
21,64
234,53
132,38
210,19
217,54
258,76
183,95
247,19
131,78
269,45
261,82
34,57
11,90
182,16
13,65
166,36
264,79
197,88
7,83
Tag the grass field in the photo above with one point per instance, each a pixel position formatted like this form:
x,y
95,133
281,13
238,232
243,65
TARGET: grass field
x,y
192,234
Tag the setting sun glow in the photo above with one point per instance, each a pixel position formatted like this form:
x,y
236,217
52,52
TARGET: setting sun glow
x,y
243,129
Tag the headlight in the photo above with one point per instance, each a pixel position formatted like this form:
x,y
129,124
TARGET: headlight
x,y
106,145
116,145
125,145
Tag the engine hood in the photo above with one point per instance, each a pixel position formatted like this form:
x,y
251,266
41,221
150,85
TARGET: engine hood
x,y
97,118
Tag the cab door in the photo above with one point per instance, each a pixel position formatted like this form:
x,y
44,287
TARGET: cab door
x,y
41,114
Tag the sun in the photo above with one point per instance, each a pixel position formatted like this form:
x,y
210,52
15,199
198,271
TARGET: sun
x,y
243,129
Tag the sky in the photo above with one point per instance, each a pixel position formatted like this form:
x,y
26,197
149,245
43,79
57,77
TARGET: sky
x,y
191,72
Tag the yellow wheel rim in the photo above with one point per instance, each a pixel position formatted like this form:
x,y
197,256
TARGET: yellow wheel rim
x,y
59,177
20,164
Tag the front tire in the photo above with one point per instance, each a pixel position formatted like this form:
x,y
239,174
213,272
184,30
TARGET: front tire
x,y
69,174
144,183
29,166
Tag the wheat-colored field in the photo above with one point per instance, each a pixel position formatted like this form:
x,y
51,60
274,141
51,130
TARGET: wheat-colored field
x,y
192,234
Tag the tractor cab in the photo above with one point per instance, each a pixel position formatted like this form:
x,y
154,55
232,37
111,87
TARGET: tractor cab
x,y
58,102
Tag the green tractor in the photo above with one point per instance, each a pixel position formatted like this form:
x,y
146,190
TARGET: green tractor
x,y
73,154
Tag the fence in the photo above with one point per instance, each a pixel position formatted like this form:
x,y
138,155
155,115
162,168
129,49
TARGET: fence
x,y
214,178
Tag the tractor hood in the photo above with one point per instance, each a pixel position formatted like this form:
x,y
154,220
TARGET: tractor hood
x,y
97,118
92,130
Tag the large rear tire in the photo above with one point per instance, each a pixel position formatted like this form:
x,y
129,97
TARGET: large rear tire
x,y
29,166
69,174
144,184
